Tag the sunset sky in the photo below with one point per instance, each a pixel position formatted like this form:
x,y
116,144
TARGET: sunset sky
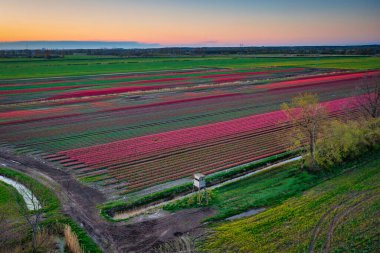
x,y
194,22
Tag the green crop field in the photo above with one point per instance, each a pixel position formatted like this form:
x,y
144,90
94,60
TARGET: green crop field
x,y
77,66
339,215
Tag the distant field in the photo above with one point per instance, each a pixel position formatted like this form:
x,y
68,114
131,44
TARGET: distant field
x,y
339,215
77,65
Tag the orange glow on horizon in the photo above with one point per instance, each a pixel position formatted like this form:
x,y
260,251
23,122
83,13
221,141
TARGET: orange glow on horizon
x,y
92,22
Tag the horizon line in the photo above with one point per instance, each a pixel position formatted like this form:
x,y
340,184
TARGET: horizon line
x,y
187,45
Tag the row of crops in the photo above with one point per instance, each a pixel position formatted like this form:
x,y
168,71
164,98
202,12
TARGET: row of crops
x,y
131,131
143,161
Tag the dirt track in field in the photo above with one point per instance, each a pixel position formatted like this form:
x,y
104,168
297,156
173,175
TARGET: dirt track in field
x,y
80,201
339,212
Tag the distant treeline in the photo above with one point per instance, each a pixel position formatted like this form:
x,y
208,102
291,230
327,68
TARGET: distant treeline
x,y
200,51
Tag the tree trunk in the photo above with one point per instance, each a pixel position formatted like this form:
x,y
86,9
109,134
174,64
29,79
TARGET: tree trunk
x,y
312,149
34,240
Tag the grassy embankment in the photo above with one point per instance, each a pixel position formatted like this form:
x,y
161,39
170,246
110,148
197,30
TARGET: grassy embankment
x,y
4,194
261,190
74,66
12,223
53,218
8,200
136,201
338,215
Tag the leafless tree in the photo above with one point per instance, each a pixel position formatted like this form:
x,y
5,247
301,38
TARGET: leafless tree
x,y
369,99
5,228
11,228
33,213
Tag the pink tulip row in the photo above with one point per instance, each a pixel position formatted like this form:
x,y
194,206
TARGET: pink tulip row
x,y
121,161
206,158
28,113
106,91
319,79
132,171
166,140
125,108
166,83
172,139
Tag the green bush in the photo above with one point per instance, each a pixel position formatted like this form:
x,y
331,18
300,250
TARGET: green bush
x,y
346,141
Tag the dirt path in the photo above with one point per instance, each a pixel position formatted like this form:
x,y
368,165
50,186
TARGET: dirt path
x,y
79,202
345,207
360,199
317,229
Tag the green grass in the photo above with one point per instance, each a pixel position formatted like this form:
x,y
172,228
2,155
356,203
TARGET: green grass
x,y
71,66
53,215
265,189
5,194
347,206
8,203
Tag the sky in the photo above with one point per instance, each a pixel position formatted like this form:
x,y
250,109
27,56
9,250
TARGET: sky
x,y
194,22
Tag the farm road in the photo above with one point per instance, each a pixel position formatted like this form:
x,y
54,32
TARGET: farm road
x,y
79,202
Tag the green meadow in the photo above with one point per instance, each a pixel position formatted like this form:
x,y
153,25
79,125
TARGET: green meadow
x,y
77,66
338,215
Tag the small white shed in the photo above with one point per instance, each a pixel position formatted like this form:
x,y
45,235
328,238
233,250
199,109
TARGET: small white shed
x,y
199,181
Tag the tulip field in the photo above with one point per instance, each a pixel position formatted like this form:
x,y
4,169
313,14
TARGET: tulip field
x,y
128,131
